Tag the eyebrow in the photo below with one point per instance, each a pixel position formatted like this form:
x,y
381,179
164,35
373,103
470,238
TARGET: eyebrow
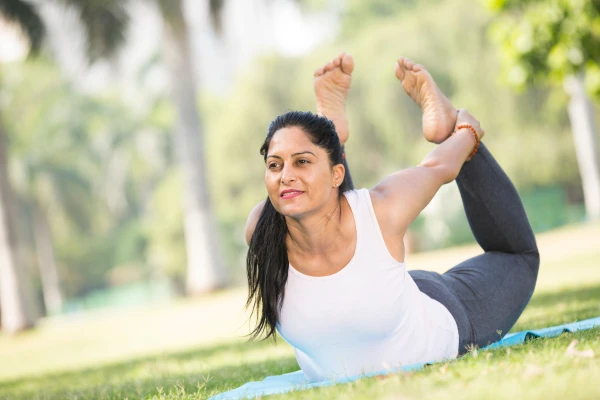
x,y
293,155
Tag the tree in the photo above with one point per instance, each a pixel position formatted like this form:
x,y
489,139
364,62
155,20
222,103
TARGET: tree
x,y
104,25
46,157
385,123
204,269
558,42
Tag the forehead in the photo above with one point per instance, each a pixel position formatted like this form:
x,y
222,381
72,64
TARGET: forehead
x,y
291,139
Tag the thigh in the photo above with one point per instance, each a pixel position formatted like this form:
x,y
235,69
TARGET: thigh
x,y
494,289
433,285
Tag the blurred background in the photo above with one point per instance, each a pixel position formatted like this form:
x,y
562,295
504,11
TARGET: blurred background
x,y
130,130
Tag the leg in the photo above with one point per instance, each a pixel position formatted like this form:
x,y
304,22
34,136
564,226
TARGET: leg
x,y
435,286
493,207
332,85
494,287
487,293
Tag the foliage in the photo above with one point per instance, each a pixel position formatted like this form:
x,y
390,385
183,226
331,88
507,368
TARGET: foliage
x,y
103,23
25,15
358,15
89,163
547,40
385,125
105,170
164,226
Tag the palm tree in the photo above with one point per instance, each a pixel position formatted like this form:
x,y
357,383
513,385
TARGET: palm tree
x,y
16,302
104,26
52,185
204,269
204,265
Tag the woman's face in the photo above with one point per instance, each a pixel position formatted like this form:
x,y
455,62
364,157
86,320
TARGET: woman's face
x,y
299,176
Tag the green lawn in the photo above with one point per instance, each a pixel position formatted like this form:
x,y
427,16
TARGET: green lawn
x,y
193,349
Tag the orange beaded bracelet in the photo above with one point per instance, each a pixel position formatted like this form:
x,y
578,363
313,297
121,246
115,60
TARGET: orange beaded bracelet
x,y
470,127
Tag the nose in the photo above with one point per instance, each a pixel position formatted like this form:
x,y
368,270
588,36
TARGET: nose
x,y
287,174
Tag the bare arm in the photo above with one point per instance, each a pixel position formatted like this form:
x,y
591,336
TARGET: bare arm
x,y
402,196
253,220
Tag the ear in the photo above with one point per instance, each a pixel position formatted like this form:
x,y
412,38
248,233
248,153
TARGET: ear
x,y
338,175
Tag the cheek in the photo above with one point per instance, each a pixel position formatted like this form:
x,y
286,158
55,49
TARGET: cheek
x,y
321,177
271,181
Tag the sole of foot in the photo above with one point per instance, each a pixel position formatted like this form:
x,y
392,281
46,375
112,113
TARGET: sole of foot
x,y
332,85
439,116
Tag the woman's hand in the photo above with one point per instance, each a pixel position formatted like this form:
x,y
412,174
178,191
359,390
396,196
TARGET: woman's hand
x,y
464,117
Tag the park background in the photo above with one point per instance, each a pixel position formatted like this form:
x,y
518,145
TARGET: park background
x,y
129,137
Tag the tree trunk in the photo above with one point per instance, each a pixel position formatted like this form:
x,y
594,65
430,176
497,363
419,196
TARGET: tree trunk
x,y
586,144
44,247
204,269
15,297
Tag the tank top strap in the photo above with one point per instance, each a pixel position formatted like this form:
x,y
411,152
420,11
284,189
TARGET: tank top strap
x,y
370,235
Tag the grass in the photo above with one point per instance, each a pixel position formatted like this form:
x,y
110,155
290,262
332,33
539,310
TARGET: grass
x,y
193,349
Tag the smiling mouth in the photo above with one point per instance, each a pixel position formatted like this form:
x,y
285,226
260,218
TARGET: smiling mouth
x,y
289,195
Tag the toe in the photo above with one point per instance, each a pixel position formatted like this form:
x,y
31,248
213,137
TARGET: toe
x,y
339,59
319,71
347,63
329,67
399,71
402,64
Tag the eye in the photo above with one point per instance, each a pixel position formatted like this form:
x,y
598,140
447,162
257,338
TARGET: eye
x,y
273,165
303,161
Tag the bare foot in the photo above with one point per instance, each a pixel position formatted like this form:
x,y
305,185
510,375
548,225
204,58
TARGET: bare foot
x,y
332,84
439,116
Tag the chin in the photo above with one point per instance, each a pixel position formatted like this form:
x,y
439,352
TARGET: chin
x,y
291,210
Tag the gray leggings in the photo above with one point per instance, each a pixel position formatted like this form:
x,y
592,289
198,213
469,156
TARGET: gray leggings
x,y
487,294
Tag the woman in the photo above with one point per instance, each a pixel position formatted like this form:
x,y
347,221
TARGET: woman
x,y
326,263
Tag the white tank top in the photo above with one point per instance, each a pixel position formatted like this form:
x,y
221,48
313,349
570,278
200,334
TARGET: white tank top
x,y
367,317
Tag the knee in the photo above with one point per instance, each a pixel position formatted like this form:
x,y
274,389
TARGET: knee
x,y
532,260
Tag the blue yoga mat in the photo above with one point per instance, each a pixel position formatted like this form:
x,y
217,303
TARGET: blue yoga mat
x,y
297,381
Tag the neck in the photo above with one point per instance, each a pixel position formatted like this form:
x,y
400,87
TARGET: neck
x,y
318,233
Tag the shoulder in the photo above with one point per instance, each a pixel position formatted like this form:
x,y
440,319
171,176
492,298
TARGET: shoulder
x,y
385,214
362,197
253,220
381,200
390,199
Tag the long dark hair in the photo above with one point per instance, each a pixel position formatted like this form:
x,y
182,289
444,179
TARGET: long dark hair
x,y
267,259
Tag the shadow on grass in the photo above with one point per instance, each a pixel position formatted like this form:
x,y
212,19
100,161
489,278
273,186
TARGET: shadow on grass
x,y
142,377
184,371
